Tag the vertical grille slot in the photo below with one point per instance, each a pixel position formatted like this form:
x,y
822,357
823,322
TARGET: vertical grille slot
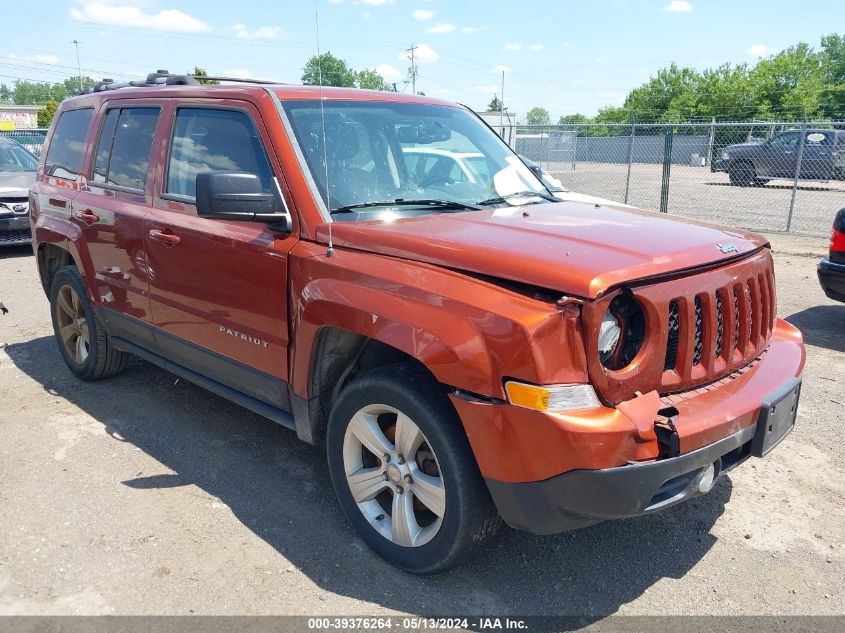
x,y
720,325
699,332
674,336
763,288
737,322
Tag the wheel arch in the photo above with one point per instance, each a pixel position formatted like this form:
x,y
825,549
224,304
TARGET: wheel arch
x,y
51,258
337,342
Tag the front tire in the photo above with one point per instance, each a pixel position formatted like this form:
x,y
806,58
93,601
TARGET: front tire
x,y
404,473
742,174
82,340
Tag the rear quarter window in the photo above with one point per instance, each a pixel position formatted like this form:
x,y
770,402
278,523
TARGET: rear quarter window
x,y
64,158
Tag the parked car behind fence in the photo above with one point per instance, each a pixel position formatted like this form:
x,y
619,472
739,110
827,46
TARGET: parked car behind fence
x,y
32,139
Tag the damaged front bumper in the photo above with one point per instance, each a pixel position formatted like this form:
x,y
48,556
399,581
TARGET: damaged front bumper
x,y
549,473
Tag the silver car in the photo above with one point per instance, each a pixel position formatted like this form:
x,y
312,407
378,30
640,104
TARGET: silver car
x,y
17,174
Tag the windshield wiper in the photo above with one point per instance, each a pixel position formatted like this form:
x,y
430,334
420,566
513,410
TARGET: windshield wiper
x,y
518,194
431,203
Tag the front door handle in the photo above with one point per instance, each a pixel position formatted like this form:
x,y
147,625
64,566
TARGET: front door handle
x,y
87,215
165,237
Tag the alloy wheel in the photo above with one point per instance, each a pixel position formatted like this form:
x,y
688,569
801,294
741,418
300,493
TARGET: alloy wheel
x,y
393,475
73,326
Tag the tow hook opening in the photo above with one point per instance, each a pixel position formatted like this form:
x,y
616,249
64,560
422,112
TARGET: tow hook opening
x,y
668,442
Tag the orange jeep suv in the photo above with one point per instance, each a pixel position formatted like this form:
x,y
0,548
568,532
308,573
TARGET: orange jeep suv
x,y
465,348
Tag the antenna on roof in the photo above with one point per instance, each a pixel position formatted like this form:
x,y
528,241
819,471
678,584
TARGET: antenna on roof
x,y
330,251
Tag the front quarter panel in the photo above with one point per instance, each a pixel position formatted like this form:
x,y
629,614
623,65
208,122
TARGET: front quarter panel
x,y
470,334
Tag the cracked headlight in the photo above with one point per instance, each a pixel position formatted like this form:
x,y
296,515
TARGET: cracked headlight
x,y
609,334
621,333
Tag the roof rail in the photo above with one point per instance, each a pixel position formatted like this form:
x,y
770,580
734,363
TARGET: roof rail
x,y
165,78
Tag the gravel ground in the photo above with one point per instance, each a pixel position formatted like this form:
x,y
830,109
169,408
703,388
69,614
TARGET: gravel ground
x,y
697,192
146,495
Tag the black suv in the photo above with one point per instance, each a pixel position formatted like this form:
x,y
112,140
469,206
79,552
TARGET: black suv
x,y
755,163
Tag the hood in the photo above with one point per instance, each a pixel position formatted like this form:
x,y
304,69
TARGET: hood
x,y
570,247
16,183
743,145
583,197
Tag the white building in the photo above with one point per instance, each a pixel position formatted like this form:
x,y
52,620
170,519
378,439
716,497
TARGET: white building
x,y
19,117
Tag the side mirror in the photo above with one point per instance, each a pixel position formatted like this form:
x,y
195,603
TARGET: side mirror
x,y
238,195
533,167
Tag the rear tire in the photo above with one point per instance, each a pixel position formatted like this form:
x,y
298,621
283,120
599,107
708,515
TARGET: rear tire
x,y
424,514
82,340
742,174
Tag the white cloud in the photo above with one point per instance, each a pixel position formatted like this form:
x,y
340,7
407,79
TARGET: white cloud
x,y
422,14
390,73
441,28
424,53
376,3
536,47
501,68
760,50
41,59
261,33
678,6
240,73
366,15
118,15
469,30
335,1
513,46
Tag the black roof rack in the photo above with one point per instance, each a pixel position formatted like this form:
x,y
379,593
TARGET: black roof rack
x,y
165,78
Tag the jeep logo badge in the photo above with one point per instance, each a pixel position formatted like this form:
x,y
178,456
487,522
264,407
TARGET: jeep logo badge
x,y
728,247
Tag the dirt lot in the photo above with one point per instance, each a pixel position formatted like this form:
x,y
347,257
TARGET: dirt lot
x,y
697,192
144,495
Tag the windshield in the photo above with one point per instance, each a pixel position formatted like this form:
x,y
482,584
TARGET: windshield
x,y
16,158
381,154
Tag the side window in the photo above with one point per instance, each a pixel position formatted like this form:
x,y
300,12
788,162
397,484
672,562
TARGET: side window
x,y
64,158
123,153
205,139
101,162
790,139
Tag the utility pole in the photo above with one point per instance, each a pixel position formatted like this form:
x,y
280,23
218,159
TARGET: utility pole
x,y
502,106
413,69
78,66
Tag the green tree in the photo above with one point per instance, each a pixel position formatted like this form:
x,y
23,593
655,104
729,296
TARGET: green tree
x,y
333,71
671,90
572,119
46,114
36,93
495,104
832,101
71,84
369,79
538,116
789,83
201,72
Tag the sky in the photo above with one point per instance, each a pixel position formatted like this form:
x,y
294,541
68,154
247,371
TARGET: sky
x,y
567,56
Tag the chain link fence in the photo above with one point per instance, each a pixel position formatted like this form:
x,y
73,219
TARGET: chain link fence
x,y
764,176
31,139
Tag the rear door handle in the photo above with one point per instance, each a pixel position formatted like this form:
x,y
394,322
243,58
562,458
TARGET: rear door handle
x,y
87,215
165,237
